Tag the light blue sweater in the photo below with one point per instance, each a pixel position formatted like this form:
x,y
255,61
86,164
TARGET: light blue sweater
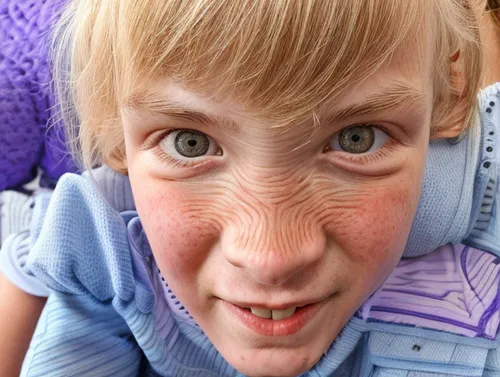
x,y
111,314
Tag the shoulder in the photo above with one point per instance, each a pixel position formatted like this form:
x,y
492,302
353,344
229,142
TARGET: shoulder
x,y
81,243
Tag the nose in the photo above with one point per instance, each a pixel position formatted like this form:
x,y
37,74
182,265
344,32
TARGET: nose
x,y
270,257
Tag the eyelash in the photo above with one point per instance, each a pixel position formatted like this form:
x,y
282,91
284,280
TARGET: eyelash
x,y
166,159
369,158
366,158
360,159
154,145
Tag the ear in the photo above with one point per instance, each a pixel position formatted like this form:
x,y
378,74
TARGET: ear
x,y
452,117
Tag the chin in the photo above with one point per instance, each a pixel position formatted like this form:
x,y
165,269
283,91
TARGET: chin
x,y
273,362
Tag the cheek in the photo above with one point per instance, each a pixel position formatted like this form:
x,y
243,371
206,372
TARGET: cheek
x,y
372,234
178,238
375,229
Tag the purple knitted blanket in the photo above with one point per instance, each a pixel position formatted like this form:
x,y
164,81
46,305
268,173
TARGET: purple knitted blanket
x,y
28,136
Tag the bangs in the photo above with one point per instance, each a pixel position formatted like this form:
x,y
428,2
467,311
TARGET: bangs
x,y
278,59
281,59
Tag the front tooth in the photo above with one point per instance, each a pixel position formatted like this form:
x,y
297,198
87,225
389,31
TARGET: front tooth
x,y
283,314
262,312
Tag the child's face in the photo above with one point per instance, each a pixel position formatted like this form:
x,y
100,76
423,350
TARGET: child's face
x,y
241,214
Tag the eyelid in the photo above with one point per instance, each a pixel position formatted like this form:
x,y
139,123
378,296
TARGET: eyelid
x,y
154,139
153,144
167,159
369,157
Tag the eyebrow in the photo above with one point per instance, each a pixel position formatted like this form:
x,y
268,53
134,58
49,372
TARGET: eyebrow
x,y
400,96
149,103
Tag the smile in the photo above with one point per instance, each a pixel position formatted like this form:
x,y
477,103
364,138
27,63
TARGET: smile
x,y
274,322
274,314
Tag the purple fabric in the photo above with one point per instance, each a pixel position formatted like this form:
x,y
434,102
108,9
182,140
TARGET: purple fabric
x,y
28,138
454,289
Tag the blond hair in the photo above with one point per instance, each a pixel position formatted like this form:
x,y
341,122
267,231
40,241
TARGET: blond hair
x,y
281,58
493,8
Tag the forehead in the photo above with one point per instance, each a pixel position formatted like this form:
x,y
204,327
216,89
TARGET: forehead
x,y
282,59
402,81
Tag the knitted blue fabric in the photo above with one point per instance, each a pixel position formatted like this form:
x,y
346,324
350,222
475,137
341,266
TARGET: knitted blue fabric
x,y
458,187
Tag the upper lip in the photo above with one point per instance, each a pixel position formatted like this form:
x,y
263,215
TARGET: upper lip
x,y
276,305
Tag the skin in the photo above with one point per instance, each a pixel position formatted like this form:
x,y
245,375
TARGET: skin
x,y
199,246
19,313
274,222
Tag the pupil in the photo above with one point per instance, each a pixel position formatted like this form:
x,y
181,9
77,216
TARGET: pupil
x,y
357,139
191,143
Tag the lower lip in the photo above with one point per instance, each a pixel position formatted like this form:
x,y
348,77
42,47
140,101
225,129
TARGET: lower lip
x,y
270,327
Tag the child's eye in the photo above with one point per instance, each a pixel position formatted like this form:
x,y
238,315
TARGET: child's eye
x,y
188,144
358,139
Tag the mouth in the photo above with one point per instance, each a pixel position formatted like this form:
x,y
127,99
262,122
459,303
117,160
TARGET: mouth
x,y
274,322
274,314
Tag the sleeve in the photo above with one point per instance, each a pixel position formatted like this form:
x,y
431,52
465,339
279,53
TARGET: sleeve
x,y
81,252
458,201
79,336
80,243
13,257
114,188
446,201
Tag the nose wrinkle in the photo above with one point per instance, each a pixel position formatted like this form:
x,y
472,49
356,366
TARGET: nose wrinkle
x,y
275,227
273,255
275,232
273,267
270,188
